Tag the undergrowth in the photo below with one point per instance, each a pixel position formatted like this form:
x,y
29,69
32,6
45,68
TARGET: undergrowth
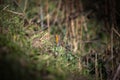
x,y
22,60
29,48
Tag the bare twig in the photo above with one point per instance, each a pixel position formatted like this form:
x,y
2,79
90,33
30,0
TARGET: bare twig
x,y
13,12
96,66
57,11
25,6
112,47
5,7
17,4
17,13
117,73
116,32
41,16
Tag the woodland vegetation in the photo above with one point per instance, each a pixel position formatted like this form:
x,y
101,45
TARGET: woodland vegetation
x,y
59,40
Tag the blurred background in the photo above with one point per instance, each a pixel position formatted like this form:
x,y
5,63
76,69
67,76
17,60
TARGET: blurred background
x,y
59,39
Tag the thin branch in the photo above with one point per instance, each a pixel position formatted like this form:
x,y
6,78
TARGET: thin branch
x,y
117,73
13,12
57,11
41,16
116,32
17,5
25,6
5,7
112,55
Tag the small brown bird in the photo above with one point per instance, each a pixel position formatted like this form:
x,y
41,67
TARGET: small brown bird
x,y
57,39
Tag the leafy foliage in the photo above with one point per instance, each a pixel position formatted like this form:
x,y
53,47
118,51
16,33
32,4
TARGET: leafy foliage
x,y
28,47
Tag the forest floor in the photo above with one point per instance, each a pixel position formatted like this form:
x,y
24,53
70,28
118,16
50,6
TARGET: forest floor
x,y
31,51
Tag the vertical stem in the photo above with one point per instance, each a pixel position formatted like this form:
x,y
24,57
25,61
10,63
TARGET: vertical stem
x,y
81,27
24,11
96,66
113,20
106,12
48,16
112,48
25,6
101,77
79,64
117,73
41,17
